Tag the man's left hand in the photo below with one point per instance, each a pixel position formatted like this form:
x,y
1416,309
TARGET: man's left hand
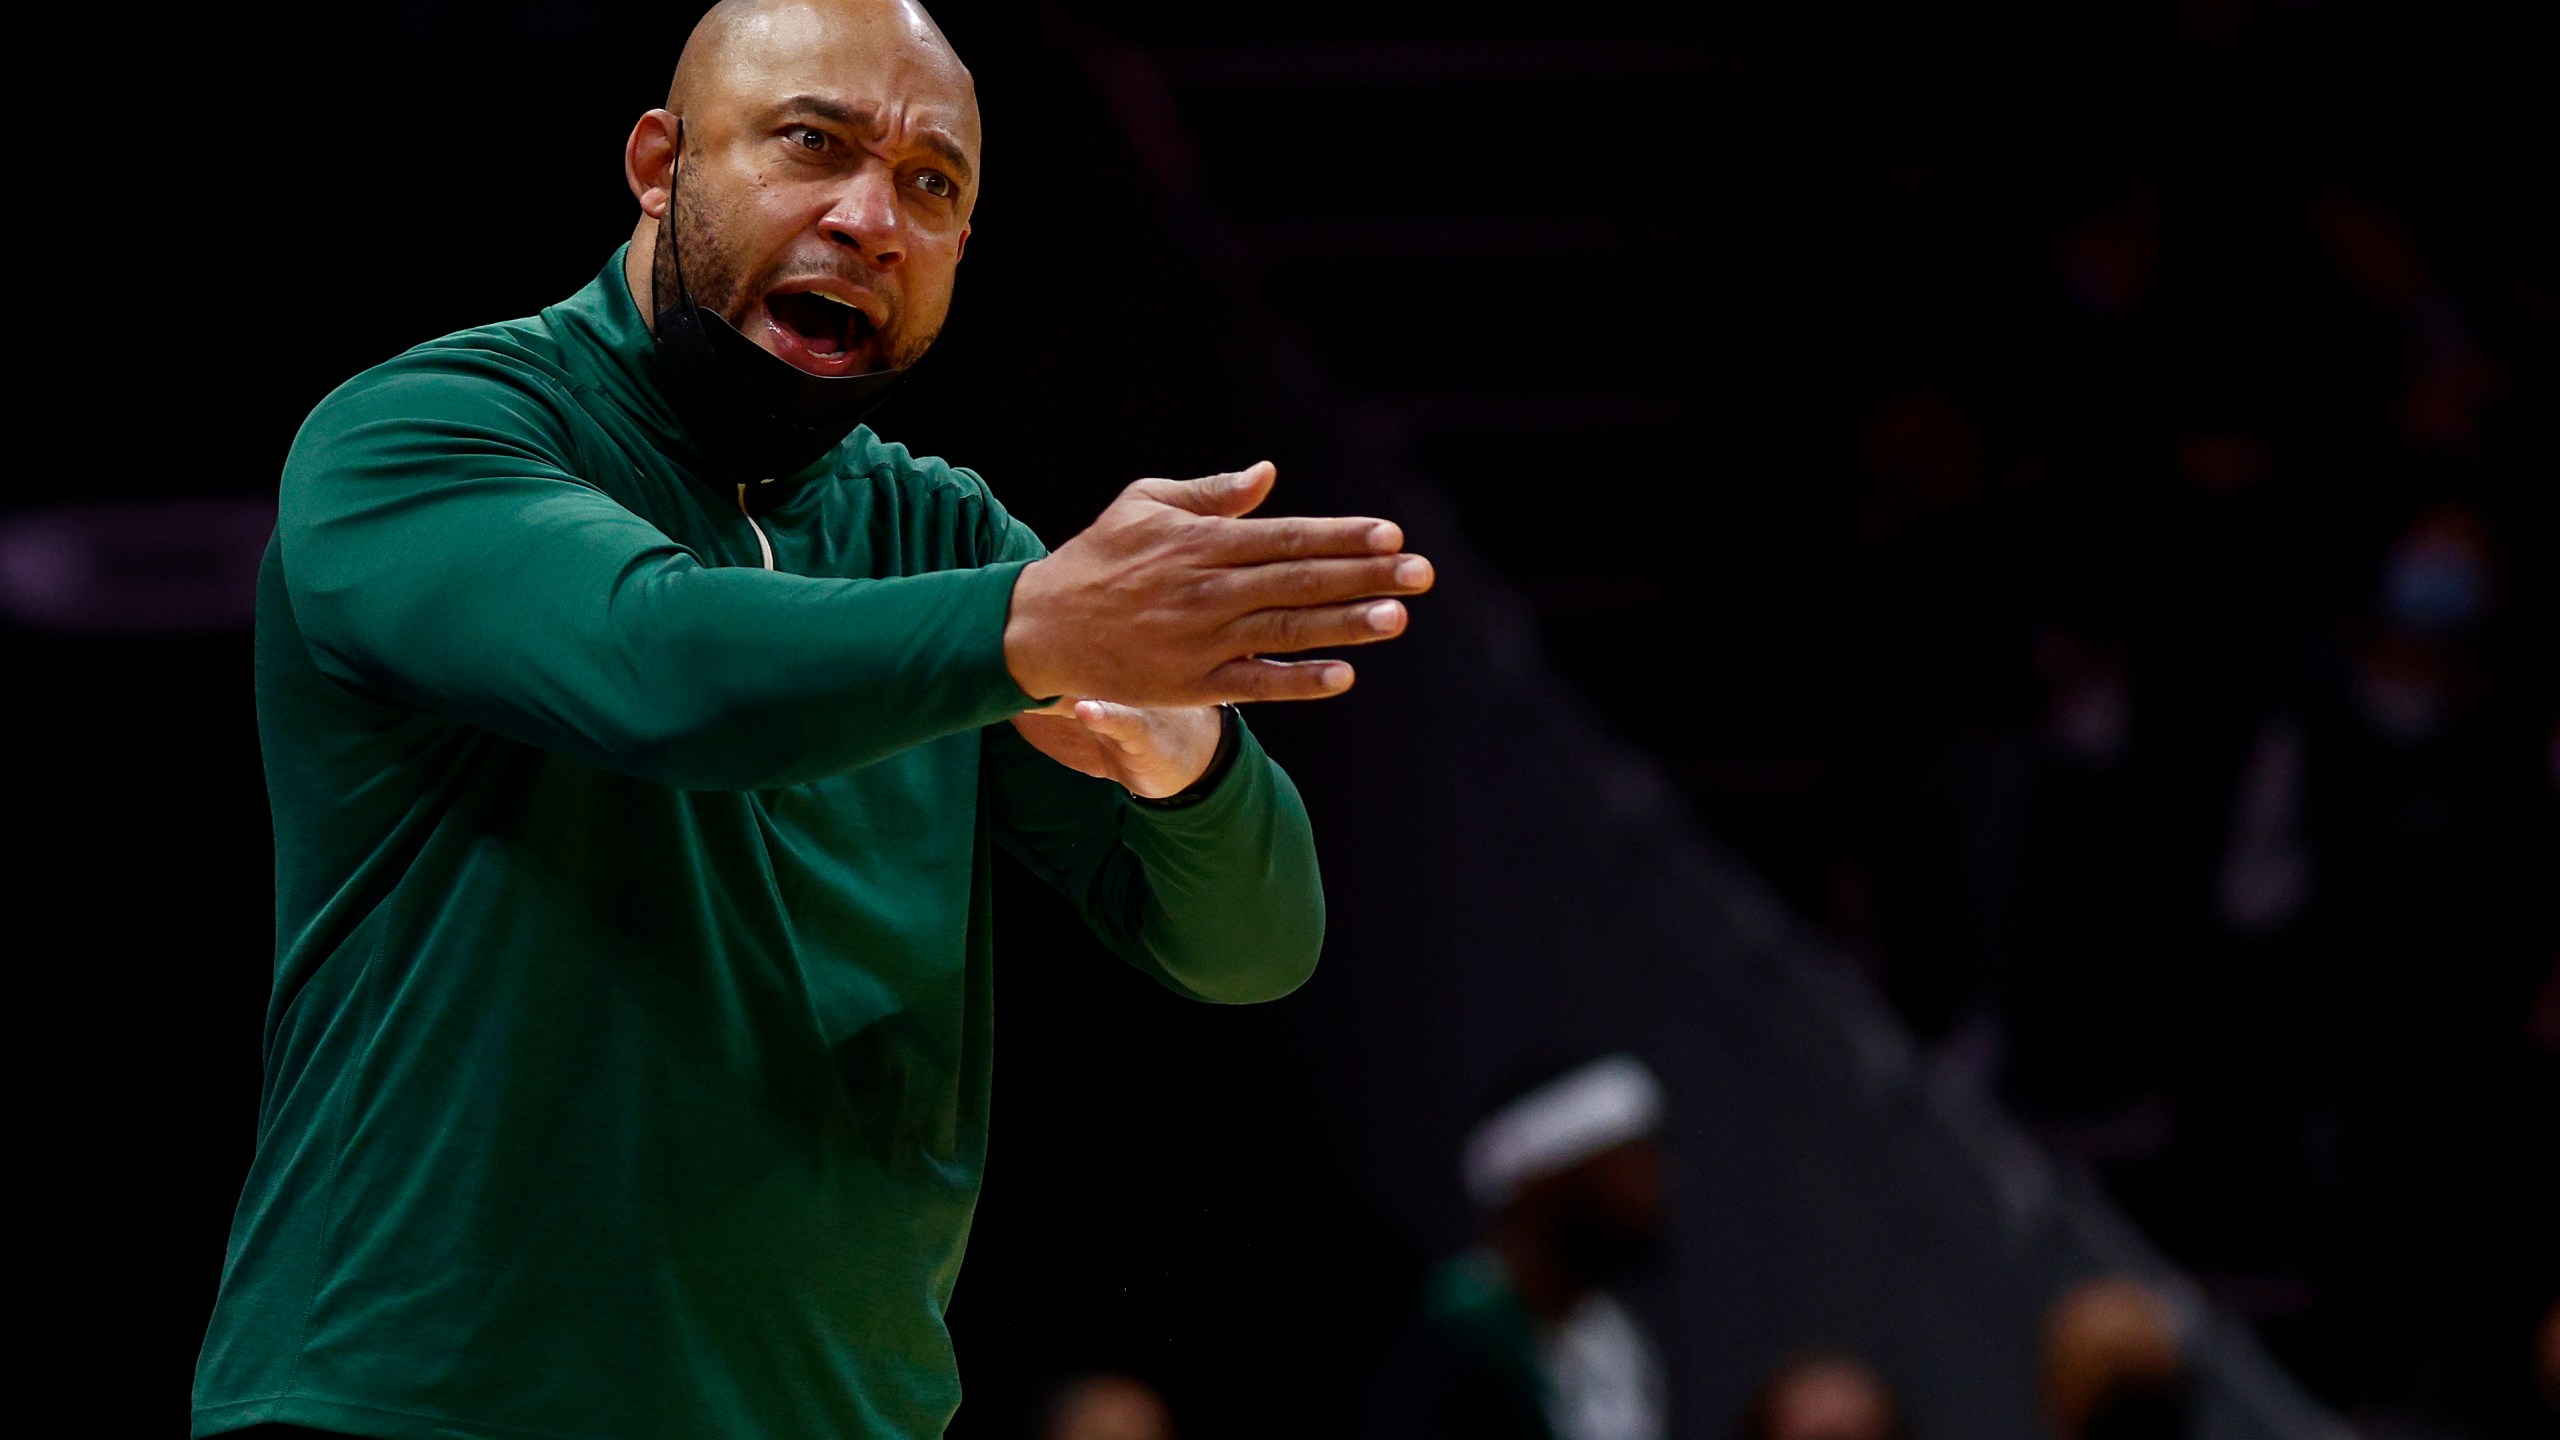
x,y
1149,751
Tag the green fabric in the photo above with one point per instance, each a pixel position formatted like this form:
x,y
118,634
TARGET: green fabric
x,y
1470,1301
1464,1367
628,1059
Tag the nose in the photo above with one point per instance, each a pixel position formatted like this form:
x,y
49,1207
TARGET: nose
x,y
866,216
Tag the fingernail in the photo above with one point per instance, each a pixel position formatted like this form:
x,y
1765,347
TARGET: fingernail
x,y
1337,677
1412,570
1385,614
1385,538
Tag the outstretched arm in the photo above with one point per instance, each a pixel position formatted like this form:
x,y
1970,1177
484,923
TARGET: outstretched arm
x,y
443,554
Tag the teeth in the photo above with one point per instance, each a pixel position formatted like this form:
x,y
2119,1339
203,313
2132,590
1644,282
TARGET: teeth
x,y
823,295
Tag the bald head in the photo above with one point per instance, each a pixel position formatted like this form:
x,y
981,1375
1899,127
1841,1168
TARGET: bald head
x,y
1107,1407
737,42
1824,1397
819,160
2106,1336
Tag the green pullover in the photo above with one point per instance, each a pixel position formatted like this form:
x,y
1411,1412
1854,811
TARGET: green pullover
x,y
627,1066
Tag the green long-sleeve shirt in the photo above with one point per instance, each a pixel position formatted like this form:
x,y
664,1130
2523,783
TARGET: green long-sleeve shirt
x,y
627,1062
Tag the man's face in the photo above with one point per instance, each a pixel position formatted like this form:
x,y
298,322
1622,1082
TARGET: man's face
x,y
1606,1212
823,193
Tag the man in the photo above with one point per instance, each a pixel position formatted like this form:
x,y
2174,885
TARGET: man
x,y
1824,1395
1103,1405
637,730
1520,1339
2113,1363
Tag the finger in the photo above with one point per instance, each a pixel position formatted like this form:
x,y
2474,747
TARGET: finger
x,y
1256,678
1323,582
1123,725
1318,627
1255,542
1049,731
1234,493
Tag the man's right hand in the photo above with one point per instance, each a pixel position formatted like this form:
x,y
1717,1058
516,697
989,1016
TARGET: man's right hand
x,y
1173,597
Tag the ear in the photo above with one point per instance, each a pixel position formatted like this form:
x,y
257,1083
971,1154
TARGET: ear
x,y
961,251
649,160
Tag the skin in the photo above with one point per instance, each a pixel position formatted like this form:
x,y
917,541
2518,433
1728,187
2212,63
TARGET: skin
x,y
833,145
2103,1333
1109,1407
1830,1399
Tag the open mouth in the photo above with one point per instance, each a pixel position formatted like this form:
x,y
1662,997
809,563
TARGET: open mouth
x,y
817,332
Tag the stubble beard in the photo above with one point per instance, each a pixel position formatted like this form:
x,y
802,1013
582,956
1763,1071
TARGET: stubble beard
x,y
712,274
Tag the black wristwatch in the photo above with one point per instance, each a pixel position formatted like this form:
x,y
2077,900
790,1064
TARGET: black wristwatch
x,y
1230,740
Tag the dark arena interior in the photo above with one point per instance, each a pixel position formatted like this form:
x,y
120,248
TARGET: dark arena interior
x,y
1999,626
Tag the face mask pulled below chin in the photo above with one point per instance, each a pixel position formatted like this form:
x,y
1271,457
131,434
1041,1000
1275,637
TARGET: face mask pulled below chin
x,y
755,415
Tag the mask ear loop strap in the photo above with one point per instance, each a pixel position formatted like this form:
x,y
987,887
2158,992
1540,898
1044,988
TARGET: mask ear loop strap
x,y
675,247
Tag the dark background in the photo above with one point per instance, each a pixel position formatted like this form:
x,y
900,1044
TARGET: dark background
x,y
2059,505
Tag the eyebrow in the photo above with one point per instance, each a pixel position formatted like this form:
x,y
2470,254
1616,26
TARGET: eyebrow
x,y
865,119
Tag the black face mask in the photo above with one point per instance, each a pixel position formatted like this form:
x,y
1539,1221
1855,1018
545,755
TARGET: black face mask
x,y
756,415
1600,1246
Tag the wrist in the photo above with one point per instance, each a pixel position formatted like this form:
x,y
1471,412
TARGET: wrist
x,y
1025,641
1222,759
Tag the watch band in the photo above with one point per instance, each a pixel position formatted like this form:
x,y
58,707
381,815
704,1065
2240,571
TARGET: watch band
x,y
1222,760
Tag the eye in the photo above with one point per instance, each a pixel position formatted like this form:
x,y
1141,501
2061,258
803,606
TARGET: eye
x,y
937,184
807,137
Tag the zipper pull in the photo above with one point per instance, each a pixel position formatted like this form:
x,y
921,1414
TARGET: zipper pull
x,y
762,544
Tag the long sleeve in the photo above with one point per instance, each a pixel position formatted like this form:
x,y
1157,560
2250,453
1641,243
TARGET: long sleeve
x,y
443,553
1220,901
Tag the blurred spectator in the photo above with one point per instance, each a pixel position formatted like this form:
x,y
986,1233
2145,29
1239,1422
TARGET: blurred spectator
x,y
1519,1339
2542,1024
1939,575
2109,251
2384,907
1824,1396
2546,1367
2114,1364
1105,1406
2447,382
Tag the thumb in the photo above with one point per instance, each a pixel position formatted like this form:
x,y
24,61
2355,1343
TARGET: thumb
x,y
1234,493
1121,723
